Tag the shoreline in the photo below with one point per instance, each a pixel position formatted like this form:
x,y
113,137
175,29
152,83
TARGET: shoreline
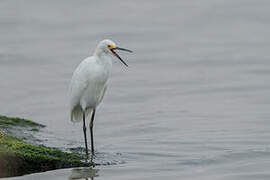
x,y
19,155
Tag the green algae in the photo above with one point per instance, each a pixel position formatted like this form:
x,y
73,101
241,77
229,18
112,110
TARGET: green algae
x,y
10,121
19,157
27,158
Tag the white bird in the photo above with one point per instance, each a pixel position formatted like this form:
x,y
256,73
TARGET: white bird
x,y
89,83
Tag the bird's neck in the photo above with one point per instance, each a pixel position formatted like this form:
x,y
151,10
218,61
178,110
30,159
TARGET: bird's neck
x,y
104,59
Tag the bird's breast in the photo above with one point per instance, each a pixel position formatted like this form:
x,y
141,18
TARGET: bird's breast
x,y
96,85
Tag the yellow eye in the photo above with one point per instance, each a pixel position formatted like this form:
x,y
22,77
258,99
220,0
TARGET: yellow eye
x,y
109,46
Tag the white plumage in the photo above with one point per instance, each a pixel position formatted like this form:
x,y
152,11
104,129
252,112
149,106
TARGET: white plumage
x,y
89,83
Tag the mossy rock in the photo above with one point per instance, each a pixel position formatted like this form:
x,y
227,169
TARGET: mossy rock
x,y
4,120
18,157
10,121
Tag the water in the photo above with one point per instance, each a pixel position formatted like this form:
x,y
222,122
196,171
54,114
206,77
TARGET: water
x,y
194,103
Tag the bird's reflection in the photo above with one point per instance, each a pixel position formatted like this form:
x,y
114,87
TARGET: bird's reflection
x,y
86,173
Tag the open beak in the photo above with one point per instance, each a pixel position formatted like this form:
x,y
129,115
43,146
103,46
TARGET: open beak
x,y
122,49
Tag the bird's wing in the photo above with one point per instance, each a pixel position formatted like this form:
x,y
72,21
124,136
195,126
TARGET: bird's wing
x,y
79,83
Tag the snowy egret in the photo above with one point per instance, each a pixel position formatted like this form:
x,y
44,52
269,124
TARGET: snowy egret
x,y
89,83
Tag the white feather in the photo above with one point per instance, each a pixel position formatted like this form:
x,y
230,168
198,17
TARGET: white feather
x,y
88,84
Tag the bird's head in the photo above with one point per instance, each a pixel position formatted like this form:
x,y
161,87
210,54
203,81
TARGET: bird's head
x,y
109,47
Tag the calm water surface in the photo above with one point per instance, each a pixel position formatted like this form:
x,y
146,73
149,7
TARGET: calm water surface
x,y
194,103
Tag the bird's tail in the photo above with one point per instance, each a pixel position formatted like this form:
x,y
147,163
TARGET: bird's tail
x,y
76,114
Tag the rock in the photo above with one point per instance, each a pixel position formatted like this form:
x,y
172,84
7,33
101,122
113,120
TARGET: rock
x,y
19,157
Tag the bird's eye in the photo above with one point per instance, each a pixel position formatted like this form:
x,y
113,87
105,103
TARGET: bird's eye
x,y
109,46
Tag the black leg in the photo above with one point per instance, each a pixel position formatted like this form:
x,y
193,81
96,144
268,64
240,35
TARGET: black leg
x,y
91,130
85,138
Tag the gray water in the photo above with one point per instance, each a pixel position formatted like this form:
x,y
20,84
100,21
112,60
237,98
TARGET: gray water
x,y
194,103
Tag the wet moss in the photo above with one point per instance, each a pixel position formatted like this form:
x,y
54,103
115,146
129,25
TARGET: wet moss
x,y
34,129
10,121
17,157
